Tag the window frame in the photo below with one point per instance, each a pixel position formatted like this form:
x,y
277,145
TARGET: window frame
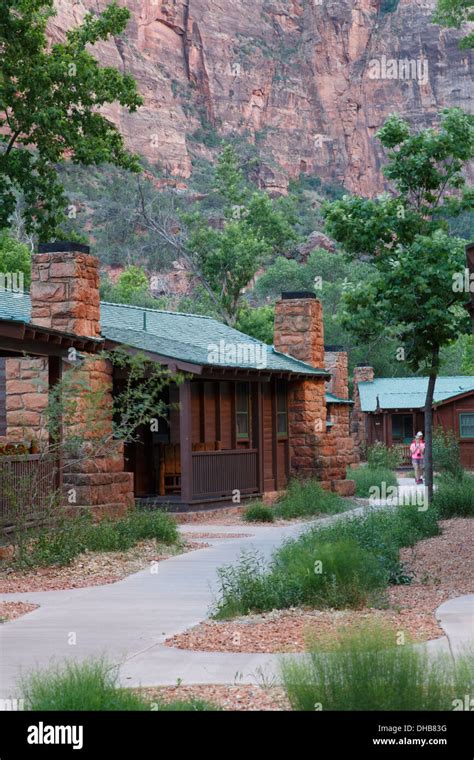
x,y
242,437
281,392
461,436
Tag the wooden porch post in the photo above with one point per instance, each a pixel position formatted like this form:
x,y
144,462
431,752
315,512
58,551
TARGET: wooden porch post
x,y
257,431
185,441
55,369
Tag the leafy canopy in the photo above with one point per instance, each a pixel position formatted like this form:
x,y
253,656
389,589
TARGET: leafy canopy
x,y
49,108
456,13
228,254
404,236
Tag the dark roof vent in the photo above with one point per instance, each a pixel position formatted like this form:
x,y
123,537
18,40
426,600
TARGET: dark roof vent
x,y
334,348
63,247
363,364
289,295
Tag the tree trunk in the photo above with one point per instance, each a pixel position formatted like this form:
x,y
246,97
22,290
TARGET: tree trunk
x,y
429,425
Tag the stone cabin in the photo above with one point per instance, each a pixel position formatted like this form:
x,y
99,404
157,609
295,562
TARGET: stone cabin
x,y
246,418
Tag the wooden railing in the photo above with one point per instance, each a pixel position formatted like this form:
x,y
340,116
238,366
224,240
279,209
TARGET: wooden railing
x,y
27,489
220,473
405,456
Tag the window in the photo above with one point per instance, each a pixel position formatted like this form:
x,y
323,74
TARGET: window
x,y
242,416
282,410
466,425
402,428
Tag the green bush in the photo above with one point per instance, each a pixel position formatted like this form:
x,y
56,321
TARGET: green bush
x,y
366,670
258,513
380,456
89,685
446,453
307,497
454,496
366,478
61,543
358,556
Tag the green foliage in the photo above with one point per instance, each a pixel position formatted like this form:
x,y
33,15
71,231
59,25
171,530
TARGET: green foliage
x,y
380,456
366,478
307,497
258,513
51,96
60,543
257,322
78,687
456,13
446,452
388,6
132,282
227,255
454,496
15,257
367,668
358,556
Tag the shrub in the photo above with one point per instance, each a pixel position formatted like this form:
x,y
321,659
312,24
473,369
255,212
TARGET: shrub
x,y
89,685
366,478
454,496
365,669
61,543
307,497
258,513
359,556
380,456
446,452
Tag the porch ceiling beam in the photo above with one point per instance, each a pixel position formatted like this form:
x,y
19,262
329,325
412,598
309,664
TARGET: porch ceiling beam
x,y
168,361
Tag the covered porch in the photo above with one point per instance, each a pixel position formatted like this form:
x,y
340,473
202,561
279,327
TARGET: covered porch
x,y
224,439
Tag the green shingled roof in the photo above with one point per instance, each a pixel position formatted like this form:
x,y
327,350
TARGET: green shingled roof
x,y
409,392
332,399
188,338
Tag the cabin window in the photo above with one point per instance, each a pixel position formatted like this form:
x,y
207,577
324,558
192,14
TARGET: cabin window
x,y
402,428
282,410
242,411
466,425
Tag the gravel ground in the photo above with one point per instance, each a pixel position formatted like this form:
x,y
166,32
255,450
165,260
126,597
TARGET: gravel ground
x,y
12,610
242,698
90,568
443,568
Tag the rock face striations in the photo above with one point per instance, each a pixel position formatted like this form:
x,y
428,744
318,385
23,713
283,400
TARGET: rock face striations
x,y
309,81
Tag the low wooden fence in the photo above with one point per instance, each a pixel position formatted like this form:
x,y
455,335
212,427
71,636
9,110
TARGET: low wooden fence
x,y
28,488
219,473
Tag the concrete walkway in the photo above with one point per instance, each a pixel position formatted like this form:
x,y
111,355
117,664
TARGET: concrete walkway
x,y
128,621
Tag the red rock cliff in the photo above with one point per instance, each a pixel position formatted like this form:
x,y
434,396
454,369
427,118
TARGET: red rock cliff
x,y
293,75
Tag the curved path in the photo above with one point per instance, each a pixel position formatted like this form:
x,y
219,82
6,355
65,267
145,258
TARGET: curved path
x,y
129,620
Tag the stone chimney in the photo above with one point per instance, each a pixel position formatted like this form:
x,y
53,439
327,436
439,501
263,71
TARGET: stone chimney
x,y
65,289
299,329
335,359
363,373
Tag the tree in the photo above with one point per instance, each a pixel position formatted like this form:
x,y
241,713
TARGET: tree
x,y
415,262
49,101
15,258
225,253
456,13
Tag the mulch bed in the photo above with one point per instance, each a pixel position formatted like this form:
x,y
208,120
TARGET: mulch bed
x,y
13,610
443,568
239,697
89,568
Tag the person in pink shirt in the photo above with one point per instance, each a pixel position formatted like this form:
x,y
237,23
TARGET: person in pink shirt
x,y
417,451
